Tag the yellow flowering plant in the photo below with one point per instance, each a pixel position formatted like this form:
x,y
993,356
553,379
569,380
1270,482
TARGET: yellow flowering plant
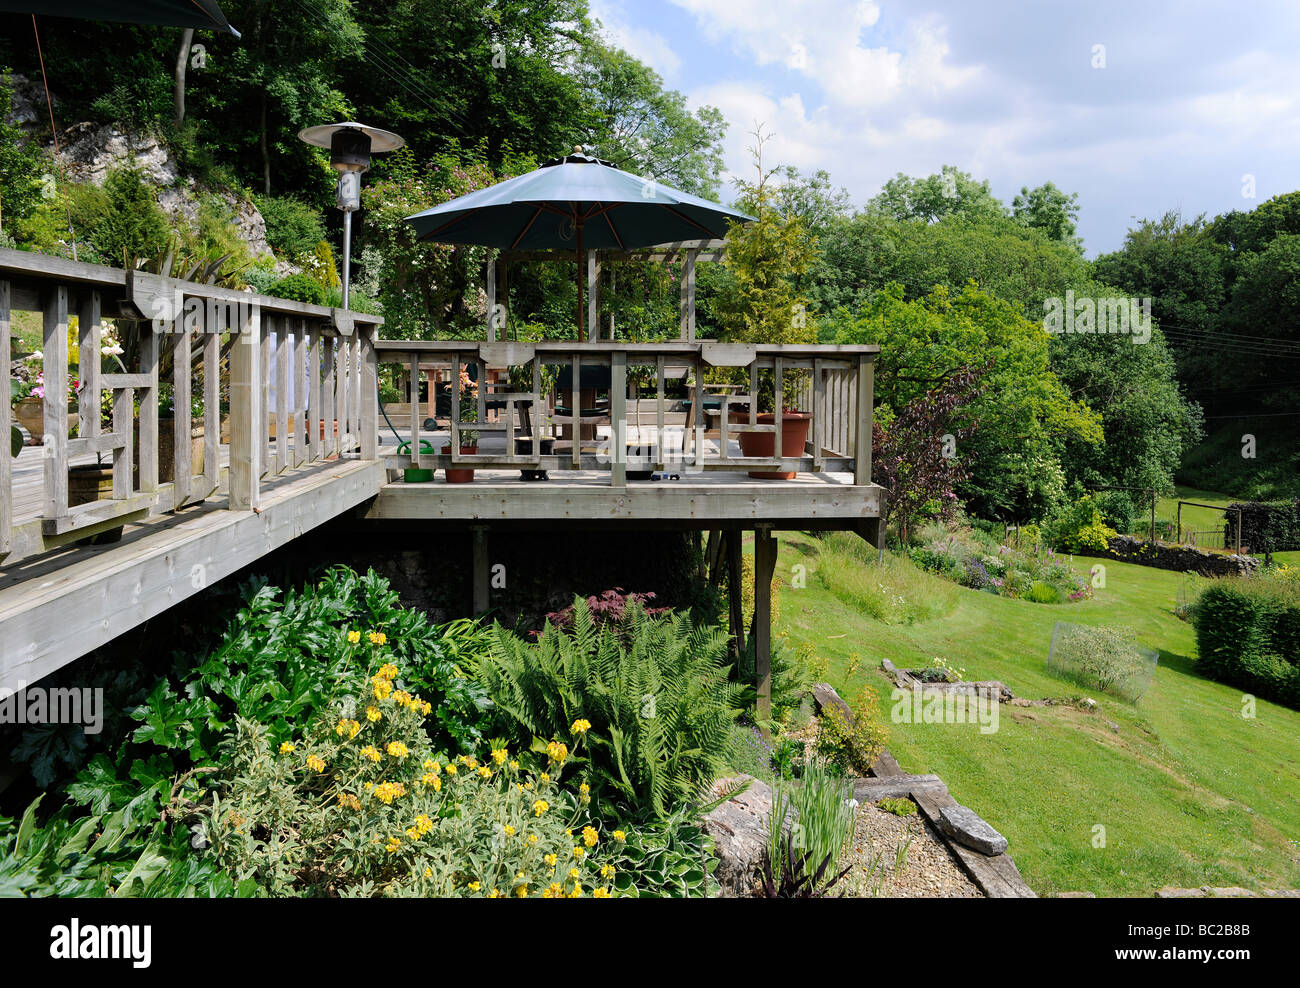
x,y
357,806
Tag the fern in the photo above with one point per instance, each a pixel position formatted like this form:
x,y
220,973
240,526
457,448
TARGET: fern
x,y
656,690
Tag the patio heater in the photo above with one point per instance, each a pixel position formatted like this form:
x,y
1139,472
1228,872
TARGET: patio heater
x,y
350,145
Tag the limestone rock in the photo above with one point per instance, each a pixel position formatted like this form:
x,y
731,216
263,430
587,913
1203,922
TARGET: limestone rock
x,y
739,830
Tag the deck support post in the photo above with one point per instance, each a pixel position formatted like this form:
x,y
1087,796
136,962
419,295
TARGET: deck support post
x,y
712,555
764,568
480,573
734,576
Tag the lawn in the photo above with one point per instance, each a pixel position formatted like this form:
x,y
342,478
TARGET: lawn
x,y
1187,790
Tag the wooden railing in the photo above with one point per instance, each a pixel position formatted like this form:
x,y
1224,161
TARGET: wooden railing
x,y
834,384
325,390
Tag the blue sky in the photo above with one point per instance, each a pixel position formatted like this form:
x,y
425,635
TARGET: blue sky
x,y
1194,103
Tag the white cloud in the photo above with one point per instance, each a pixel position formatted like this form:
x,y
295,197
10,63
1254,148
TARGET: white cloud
x,y
1190,100
824,40
642,43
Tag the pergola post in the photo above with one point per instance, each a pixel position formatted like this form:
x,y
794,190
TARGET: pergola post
x,y
764,568
593,296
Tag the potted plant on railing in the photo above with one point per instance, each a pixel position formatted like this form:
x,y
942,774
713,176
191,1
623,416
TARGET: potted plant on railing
x,y
468,437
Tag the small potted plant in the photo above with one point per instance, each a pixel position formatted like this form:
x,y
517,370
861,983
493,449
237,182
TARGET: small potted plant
x,y
468,437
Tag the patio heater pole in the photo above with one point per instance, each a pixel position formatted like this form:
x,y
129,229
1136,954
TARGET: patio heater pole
x,y
350,145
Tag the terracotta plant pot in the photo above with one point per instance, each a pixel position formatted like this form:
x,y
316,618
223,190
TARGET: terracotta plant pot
x,y
167,450
87,483
459,475
29,412
794,433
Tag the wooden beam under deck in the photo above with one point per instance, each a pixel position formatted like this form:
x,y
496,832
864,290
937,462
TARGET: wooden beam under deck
x,y
736,503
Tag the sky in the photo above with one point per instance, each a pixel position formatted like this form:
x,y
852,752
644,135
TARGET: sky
x,y
1138,107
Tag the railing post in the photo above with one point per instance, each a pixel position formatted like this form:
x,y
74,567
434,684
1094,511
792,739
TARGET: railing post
x,y
247,430
370,397
862,444
618,418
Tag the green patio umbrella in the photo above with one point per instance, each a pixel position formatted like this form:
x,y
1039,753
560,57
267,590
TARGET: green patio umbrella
x,y
574,203
167,13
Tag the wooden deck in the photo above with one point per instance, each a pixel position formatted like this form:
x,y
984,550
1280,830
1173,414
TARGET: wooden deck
x,y
285,368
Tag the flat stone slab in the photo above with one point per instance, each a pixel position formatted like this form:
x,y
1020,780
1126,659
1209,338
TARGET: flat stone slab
x,y
966,827
874,789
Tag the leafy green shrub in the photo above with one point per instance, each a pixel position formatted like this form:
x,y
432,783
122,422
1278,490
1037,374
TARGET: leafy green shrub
x,y
1079,527
299,288
133,224
973,558
102,854
654,692
902,806
1248,635
1265,526
293,228
853,747
1106,659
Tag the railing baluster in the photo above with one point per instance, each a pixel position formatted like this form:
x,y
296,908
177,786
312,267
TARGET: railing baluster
x,y
88,354
123,409
314,419
866,397
211,410
6,461
55,371
413,361
283,366
659,413
266,460
181,411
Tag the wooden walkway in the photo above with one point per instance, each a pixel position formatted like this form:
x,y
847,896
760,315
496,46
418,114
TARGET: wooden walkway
x,y
58,606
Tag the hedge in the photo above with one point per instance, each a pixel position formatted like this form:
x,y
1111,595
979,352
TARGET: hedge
x,y
1248,636
1266,526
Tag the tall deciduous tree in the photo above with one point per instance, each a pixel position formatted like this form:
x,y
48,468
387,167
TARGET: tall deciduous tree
x,y
646,129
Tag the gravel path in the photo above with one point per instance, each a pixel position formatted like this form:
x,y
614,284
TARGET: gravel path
x,y
927,869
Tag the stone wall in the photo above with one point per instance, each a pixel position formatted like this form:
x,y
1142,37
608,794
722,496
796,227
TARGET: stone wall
x,y
1128,549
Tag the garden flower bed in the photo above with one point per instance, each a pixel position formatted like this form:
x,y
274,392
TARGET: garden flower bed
x,y
976,560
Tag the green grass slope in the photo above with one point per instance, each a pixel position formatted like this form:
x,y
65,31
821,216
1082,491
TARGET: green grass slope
x,y
1187,790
